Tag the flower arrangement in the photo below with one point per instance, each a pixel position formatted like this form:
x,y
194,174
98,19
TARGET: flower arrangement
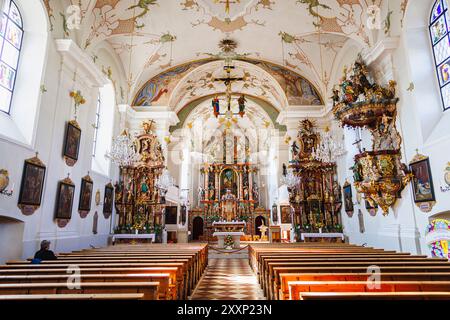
x,y
319,225
77,98
228,242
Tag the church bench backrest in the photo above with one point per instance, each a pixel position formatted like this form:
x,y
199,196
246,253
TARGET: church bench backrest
x,y
149,289
375,296
271,283
298,287
98,296
166,289
283,293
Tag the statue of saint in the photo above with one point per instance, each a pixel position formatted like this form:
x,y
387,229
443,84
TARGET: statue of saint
x,y
263,229
228,206
241,102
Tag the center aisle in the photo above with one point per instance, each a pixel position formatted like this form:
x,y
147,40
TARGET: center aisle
x,y
228,279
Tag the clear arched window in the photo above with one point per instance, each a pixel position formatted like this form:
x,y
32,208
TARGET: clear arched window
x,y
11,35
440,38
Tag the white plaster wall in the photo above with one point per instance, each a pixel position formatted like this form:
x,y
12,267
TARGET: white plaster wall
x,y
55,108
424,126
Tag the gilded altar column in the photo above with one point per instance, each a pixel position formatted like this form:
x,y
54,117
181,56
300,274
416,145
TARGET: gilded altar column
x,y
250,184
205,178
241,181
216,171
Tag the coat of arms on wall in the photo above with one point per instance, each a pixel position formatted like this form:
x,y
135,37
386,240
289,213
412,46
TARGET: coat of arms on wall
x,y
86,191
446,188
72,143
423,188
32,185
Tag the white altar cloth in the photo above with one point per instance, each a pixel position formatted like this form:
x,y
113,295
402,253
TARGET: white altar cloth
x,y
322,235
133,236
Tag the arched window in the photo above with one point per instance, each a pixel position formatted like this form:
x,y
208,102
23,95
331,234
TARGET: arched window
x,y
440,39
11,35
103,129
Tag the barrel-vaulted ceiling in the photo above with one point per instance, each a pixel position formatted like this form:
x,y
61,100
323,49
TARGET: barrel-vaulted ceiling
x,y
153,36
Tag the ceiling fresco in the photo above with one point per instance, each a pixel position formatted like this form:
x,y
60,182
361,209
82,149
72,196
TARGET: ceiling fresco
x,y
151,37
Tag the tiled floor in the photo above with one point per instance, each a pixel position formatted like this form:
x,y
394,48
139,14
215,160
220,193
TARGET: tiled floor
x,y
228,279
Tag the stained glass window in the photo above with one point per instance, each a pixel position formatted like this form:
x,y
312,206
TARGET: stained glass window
x,y
440,39
11,35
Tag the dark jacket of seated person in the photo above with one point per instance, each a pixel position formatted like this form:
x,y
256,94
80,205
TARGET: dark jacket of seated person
x,y
45,253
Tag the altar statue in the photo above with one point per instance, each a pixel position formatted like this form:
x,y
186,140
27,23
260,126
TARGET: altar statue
x,y
228,206
263,229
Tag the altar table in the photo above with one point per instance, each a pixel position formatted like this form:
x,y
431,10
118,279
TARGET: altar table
x,y
150,236
303,236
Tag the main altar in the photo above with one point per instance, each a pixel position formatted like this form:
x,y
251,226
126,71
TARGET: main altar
x,y
228,193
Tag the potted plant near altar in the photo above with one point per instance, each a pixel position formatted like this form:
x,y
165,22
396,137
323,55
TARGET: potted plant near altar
x,y
244,218
214,218
228,242
307,228
127,229
338,228
147,228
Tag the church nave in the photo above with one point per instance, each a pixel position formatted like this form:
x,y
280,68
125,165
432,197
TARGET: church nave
x,y
195,150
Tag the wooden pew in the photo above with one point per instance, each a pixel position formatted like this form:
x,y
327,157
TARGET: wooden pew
x,y
175,269
270,277
149,289
189,269
95,296
407,276
375,296
296,288
166,288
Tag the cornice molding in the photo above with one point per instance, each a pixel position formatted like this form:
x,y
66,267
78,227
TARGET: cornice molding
x,y
381,50
75,59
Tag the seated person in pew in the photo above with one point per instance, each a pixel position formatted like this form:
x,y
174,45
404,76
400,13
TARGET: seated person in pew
x,y
44,253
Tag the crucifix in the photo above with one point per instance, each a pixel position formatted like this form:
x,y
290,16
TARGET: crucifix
x,y
358,140
228,81
227,4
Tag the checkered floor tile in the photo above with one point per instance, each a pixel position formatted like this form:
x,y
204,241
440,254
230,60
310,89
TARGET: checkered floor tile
x,y
228,279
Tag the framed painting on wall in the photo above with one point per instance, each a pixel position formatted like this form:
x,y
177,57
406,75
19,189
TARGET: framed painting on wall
x,y
72,143
286,214
348,198
86,190
108,200
32,185
423,188
64,199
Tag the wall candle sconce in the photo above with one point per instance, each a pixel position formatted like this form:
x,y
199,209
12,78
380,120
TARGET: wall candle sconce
x,y
4,182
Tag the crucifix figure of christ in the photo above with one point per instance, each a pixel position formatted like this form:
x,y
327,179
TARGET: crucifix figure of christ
x,y
228,81
227,4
